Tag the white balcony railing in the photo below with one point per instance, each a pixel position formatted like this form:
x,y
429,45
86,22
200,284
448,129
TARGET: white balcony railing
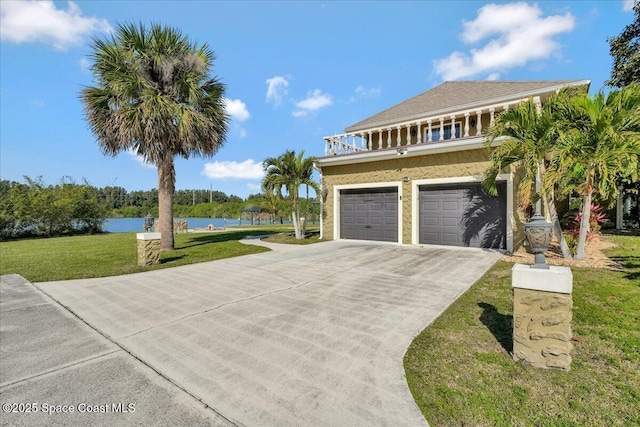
x,y
424,130
339,144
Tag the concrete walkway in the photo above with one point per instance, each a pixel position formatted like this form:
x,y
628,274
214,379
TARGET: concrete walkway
x,y
303,335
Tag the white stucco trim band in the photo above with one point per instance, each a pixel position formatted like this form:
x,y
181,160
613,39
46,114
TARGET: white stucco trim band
x,y
458,144
415,206
336,202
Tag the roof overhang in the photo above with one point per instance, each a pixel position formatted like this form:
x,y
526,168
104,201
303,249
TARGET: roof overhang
x,y
472,105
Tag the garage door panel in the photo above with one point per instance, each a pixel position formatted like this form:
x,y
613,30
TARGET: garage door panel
x,y
462,215
450,222
450,206
375,212
430,206
450,238
429,221
375,235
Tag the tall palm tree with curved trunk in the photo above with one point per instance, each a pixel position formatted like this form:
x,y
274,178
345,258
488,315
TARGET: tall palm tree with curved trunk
x,y
598,143
153,95
289,171
529,134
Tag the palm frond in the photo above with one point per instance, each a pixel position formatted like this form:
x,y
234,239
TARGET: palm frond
x,y
153,93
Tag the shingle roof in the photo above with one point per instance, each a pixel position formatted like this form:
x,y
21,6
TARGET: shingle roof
x,y
451,95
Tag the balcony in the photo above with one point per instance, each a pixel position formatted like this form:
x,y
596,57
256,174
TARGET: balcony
x,y
446,127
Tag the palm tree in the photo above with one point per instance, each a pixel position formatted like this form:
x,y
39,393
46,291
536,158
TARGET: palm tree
x,y
272,203
530,133
289,171
599,143
153,96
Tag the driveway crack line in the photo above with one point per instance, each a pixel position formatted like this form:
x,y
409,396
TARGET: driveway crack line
x,y
58,369
28,306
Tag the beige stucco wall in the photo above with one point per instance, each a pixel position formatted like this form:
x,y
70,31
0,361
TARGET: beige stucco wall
x,y
445,165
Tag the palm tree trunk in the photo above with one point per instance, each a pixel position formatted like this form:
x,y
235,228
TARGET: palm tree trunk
x,y
306,215
586,216
557,228
552,215
166,188
296,224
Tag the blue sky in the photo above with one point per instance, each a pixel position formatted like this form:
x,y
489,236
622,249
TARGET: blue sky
x,y
295,72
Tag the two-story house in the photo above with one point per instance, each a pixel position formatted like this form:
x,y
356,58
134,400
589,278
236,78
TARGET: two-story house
x,y
412,173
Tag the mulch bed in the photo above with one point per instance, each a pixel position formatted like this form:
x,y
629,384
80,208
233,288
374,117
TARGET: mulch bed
x,y
594,258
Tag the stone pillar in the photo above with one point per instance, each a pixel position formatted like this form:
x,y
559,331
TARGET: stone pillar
x,y
542,312
148,248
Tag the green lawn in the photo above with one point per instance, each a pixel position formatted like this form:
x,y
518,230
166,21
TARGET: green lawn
x,y
77,257
461,373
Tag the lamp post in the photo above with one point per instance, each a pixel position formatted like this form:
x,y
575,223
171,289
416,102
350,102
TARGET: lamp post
x,y
148,222
538,233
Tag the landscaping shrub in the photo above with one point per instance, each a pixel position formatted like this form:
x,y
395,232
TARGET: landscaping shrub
x,y
35,209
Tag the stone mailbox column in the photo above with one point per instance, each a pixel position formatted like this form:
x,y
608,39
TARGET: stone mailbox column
x,y
542,312
148,248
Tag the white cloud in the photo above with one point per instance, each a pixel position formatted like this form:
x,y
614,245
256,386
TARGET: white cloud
x,y
248,169
627,5
314,101
368,93
243,133
253,186
276,89
138,158
40,21
85,65
517,33
363,93
236,109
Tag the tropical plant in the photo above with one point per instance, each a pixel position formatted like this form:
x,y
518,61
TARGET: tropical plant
x,y
596,219
272,202
529,134
289,171
153,96
625,51
598,144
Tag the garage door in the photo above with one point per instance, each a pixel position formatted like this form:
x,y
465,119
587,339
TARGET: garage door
x,y
463,215
369,214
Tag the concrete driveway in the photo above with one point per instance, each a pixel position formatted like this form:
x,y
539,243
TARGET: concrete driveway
x,y
303,335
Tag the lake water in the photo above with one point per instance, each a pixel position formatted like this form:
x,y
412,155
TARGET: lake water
x,y
130,225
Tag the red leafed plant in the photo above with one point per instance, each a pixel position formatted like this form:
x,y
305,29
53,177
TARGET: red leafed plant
x,y
596,220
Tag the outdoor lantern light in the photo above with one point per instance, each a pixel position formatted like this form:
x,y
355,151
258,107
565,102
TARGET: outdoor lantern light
x,y
148,222
538,234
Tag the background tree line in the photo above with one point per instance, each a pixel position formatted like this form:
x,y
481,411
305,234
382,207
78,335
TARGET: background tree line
x,y
118,197
33,208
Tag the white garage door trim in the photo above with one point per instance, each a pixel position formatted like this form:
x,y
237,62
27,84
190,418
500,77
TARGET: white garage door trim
x,y
415,206
336,204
